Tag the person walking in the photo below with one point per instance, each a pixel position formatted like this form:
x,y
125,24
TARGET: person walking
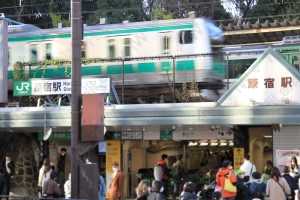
x,y
46,176
67,188
267,170
257,187
166,174
61,168
248,168
156,191
290,180
240,185
51,189
277,187
46,162
117,183
102,190
178,174
143,190
7,171
222,175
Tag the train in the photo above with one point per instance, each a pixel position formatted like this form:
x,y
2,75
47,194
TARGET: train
x,y
161,39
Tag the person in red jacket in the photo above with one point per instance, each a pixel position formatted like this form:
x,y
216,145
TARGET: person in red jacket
x,y
222,174
166,174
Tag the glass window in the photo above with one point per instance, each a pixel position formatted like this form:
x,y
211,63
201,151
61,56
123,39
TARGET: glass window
x,y
127,47
111,48
33,53
166,45
185,37
48,52
83,49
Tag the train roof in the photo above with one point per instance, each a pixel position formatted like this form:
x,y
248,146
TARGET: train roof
x,y
260,47
108,27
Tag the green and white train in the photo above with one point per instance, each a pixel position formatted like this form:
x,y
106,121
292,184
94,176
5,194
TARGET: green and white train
x,y
129,40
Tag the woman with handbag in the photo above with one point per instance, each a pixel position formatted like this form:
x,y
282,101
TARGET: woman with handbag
x,y
277,187
227,180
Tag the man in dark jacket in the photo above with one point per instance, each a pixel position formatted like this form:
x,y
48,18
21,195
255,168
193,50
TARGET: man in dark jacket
x,y
290,180
166,174
61,169
178,174
7,171
51,190
240,184
156,192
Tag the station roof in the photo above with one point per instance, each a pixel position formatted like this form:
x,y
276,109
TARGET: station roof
x,y
260,32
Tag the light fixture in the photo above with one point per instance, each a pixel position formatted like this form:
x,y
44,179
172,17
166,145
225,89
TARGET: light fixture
x,y
213,144
212,127
268,136
190,129
203,144
128,129
223,144
217,127
178,125
115,126
173,128
192,144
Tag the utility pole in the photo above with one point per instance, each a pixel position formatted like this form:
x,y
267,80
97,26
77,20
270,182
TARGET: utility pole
x,y
76,94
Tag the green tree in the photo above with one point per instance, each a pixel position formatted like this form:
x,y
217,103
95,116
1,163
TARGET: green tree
x,y
160,14
116,11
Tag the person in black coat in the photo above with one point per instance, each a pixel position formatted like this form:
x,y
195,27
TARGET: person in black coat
x,y
143,190
156,193
290,180
7,171
240,185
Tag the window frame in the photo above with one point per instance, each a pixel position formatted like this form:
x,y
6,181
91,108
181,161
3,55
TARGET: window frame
x,y
165,51
31,53
47,53
113,44
127,46
182,40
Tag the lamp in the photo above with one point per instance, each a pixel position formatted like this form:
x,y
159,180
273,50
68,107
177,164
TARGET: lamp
x,y
48,132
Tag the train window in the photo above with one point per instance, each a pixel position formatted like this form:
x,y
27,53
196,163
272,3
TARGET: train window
x,y
83,49
185,37
48,51
33,53
111,48
127,47
166,45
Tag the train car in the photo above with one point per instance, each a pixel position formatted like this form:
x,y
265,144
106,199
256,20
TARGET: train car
x,y
130,40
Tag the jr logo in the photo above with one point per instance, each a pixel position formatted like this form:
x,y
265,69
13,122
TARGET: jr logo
x,y
24,85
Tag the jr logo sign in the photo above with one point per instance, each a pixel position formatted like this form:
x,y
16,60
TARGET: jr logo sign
x,y
22,88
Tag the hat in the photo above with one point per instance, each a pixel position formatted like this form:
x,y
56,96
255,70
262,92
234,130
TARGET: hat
x,y
239,172
256,175
226,163
115,163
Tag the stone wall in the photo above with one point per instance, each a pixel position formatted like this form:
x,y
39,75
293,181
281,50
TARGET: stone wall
x,y
24,149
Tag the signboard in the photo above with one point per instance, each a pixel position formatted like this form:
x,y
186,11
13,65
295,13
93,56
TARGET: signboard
x,y
271,80
166,135
56,136
102,147
113,154
238,158
3,61
128,135
283,157
60,86
198,135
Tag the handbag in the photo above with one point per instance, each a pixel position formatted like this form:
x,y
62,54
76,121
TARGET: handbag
x,y
282,189
228,185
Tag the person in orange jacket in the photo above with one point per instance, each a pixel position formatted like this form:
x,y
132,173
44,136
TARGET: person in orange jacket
x,y
222,174
166,173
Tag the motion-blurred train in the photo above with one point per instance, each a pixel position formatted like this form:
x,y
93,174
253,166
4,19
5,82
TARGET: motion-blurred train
x,y
130,40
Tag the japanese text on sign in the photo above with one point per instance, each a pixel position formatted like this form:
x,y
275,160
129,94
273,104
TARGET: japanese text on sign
x,y
269,82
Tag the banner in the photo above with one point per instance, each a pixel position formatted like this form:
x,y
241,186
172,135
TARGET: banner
x,y
283,157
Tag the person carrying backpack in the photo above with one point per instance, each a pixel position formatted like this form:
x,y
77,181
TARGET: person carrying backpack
x,y
161,173
257,187
178,174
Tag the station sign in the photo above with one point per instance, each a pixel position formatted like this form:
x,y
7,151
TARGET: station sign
x,y
166,135
41,87
128,135
198,135
238,157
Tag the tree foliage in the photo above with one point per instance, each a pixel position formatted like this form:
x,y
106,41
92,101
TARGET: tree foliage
x,y
118,11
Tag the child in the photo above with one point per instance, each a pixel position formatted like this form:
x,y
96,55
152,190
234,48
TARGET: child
x,y
216,196
67,187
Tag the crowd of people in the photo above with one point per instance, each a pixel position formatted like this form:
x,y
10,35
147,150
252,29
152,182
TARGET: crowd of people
x,y
243,184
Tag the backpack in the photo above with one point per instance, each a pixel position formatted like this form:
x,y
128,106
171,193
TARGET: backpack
x,y
258,194
158,172
177,172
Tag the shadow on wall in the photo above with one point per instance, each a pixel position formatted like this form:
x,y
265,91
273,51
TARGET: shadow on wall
x,y
24,155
